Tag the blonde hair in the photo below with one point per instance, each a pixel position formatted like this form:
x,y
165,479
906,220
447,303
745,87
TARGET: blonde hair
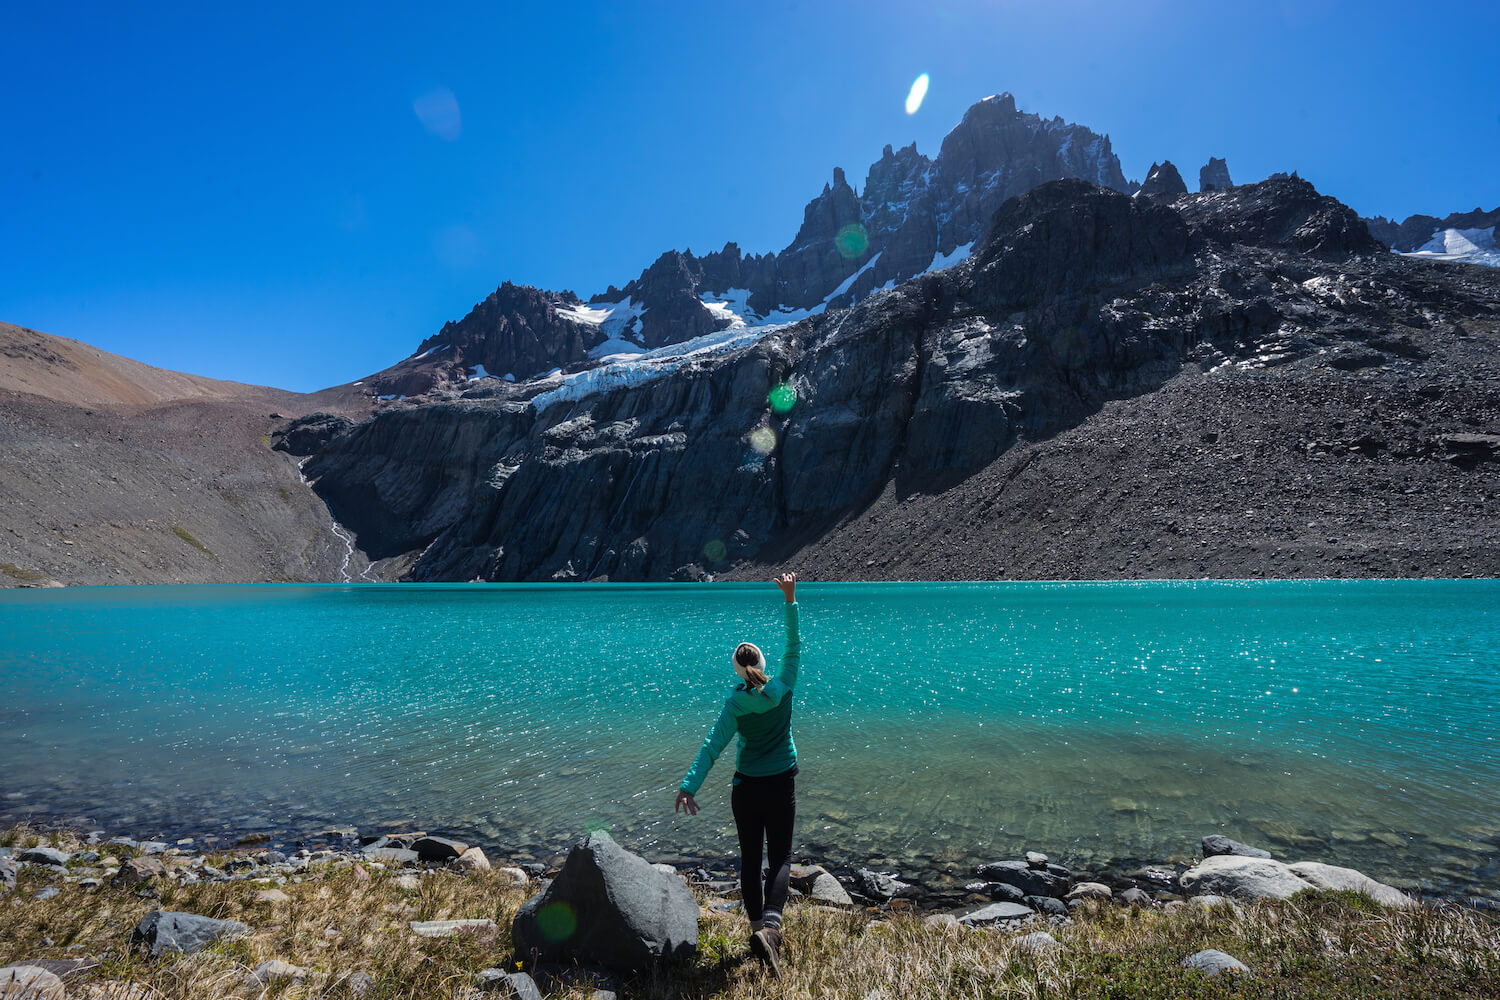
x,y
746,656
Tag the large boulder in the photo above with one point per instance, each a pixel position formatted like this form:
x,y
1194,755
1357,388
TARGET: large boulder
x,y
608,907
1260,878
438,848
164,930
1321,876
1241,878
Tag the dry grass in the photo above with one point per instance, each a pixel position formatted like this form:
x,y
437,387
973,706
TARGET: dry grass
x,y
336,924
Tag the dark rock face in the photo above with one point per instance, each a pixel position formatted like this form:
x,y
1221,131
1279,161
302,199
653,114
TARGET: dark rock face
x,y
1162,180
517,330
43,856
608,907
309,434
163,930
1214,175
1077,296
1281,213
1215,844
1415,230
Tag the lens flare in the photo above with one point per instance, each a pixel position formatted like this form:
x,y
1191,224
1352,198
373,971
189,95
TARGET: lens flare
x,y
852,241
437,110
917,93
556,921
763,440
715,550
782,398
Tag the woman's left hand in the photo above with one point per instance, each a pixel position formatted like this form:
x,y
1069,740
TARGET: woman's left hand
x,y
686,801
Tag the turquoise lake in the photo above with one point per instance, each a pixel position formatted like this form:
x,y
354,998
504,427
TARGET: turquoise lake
x,y
939,725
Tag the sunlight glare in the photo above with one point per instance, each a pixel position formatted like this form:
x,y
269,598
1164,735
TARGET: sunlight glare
x,y
918,92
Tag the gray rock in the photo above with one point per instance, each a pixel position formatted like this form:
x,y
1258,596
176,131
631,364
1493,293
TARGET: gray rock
x,y
1090,890
438,848
1047,904
1215,845
1321,876
517,876
48,893
509,984
7,874
154,846
1037,941
994,913
447,928
1135,896
827,890
1212,961
273,971
877,885
611,908
133,871
393,855
43,856
1210,901
29,982
1241,878
360,983
803,876
1035,859
187,933
474,860
272,896
1031,881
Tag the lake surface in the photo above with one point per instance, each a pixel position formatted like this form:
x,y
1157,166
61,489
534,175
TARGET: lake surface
x,y
938,724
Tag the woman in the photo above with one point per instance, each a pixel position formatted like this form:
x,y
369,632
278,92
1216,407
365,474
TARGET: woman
x,y
764,798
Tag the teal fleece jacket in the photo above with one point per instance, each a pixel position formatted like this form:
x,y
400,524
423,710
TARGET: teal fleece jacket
x,y
762,718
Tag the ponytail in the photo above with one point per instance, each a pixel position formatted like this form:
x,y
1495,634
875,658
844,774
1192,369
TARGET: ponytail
x,y
755,678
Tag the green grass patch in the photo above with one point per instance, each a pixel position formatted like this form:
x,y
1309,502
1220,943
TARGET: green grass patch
x,y
186,536
24,575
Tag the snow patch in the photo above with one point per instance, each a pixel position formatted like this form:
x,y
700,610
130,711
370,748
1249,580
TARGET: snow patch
x,y
479,373
1474,246
432,350
959,254
648,365
616,320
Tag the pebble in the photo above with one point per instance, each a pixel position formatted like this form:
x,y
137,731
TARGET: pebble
x,y
444,928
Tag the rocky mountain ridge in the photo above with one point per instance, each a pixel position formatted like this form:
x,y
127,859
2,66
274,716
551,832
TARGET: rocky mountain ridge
x,y
721,462
915,213
1461,236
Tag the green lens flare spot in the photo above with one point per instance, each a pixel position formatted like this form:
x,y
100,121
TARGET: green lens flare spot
x,y
714,551
782,397
763,440
556,921
852,241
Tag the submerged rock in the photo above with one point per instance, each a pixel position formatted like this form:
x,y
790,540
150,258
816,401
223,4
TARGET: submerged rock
x,y
1215,845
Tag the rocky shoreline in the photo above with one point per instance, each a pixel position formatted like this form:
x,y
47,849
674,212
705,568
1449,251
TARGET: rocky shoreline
x,y
414,914
1006,889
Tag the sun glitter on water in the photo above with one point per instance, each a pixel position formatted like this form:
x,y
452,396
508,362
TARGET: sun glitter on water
x,y
917,94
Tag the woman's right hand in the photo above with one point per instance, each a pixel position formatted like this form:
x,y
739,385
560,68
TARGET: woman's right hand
x,y
686,801
788,584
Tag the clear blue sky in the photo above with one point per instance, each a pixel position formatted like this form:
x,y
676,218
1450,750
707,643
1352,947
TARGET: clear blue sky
x,y
248,191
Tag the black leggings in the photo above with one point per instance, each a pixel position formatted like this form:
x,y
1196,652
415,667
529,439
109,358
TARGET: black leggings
x,y
764,808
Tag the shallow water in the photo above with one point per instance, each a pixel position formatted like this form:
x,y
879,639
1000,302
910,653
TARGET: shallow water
x,y
938,724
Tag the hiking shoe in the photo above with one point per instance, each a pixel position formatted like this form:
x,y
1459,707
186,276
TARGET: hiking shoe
x,y
767,947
